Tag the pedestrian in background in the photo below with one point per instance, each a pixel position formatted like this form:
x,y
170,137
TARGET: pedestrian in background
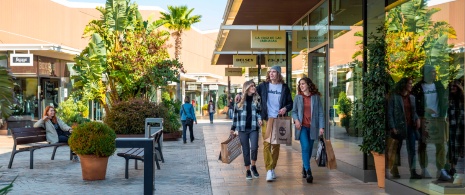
x,y
211,110
309,119
187,112
247,121
231,108
276,100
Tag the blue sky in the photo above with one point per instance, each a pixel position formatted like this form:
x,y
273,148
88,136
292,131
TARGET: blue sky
x,y
210,10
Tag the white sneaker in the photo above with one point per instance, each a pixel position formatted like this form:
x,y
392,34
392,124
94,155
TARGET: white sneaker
x,y
269,175
425,173
273,174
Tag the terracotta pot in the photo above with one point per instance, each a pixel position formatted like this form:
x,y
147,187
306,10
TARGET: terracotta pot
x,y
93,167
380,165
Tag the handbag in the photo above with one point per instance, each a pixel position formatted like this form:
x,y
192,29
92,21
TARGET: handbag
x,y
230,149
189,121
321,157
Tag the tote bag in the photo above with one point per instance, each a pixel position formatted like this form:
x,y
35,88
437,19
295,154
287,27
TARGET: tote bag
x,y
230,149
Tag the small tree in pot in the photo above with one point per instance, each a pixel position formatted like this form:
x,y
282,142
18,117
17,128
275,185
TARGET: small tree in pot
x,y
93,142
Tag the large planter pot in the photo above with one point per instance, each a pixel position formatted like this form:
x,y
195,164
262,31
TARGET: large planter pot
x,y
380,166
93,167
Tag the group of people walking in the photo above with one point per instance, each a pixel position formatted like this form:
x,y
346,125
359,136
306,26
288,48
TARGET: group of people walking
x,y
423,113
271,99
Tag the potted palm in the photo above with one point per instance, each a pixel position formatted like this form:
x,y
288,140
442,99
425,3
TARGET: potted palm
x,y
93,142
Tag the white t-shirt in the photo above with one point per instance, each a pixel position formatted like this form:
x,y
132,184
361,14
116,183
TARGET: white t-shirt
x,y
431,98
274,95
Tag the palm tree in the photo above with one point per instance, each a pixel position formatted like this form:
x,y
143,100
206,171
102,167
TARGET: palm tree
x,y
178,19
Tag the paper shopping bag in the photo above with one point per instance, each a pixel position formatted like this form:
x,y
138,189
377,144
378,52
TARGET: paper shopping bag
x,y
282,129
435,130
331,164
230,149
268,136
392,151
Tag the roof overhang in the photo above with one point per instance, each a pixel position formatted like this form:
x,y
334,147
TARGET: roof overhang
x,y
48,50
242,16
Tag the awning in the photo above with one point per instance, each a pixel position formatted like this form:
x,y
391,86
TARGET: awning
x,y
47,50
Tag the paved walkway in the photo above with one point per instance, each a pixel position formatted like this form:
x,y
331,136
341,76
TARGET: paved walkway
x,y
191,168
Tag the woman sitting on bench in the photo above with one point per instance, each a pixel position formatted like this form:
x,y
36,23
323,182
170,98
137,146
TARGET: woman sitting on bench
x,y
57,131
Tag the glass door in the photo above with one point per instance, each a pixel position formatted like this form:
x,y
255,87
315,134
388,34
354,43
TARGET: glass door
x,y
317,71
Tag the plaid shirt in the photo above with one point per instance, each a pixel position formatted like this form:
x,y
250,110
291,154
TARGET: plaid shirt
x,y
240,117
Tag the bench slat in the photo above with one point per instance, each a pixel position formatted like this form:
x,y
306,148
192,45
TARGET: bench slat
x,y
29,140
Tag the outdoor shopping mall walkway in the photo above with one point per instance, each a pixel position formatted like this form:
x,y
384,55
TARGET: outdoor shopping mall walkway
x,y
191,168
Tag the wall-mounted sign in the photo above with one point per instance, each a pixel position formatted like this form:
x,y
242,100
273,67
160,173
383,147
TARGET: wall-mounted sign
x,y
233,72
191,87
273,60
268,39
253,72
21,59
201,79
244,60
299,40
213,87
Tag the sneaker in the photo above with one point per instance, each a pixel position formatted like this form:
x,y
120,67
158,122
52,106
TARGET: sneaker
x,y
414,175
425,174
248,175
269,175
444,176
254,171
75,158
273,174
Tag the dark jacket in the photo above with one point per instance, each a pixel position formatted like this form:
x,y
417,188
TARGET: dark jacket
x,y
285,100
396,113
418,92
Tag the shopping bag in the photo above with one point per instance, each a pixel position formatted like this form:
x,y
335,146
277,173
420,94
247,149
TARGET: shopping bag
x,y
230,149
437,130
331,163
278,130
392,151
321,157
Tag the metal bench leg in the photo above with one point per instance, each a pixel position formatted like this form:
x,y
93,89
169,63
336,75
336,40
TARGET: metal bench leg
x,y
135,163
31,163
71,154
11,158
156,160
126,169
161,155
54,151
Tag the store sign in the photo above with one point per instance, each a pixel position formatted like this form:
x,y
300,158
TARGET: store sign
x,y
300,40
213,87
253,72
244,60
233,72
275,60
268,39
192,87
21,59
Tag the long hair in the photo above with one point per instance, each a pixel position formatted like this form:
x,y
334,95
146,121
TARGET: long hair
x,y
311,87
280,77
187,99
457,95
246,87
54,118
400,86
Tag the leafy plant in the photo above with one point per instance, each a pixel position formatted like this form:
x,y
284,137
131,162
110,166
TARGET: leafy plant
x,y
7,188
93,138
128,117
73,112
376,84
6,91
222,101
345,105
205,107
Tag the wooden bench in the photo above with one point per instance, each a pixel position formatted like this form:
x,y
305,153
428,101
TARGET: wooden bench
x,y
32,139
138,153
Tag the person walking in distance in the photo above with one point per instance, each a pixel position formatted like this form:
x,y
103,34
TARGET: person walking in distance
x,y
309,119
187,112
275,100
403,124
247,121
211,110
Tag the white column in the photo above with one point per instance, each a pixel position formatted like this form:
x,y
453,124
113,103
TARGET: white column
x,y
201,99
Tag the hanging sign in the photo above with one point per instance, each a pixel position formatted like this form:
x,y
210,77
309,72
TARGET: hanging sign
x,y
192,87
21,59
233,72
268,39
213,87
273,60
244,60
253,72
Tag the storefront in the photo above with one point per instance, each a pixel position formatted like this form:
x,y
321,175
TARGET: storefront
x,y
326,43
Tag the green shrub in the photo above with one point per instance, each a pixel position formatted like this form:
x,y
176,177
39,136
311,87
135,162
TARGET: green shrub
x,y
128,117
73,112
222,101
345,105
205,107
93,138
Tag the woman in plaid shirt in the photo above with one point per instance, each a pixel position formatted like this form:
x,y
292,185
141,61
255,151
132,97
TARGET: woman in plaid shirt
x,y
247,121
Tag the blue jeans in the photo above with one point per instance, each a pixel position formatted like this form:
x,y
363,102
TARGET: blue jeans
x,y
230,113
211,116
184,129
306,145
